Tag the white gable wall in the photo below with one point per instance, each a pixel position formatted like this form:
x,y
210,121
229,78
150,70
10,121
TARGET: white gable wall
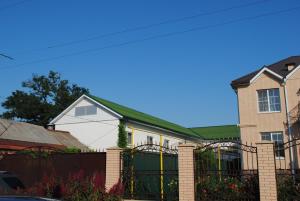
x,y
98,131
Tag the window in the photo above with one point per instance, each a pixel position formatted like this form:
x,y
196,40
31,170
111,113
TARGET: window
x,y
85,110
129,138
269,100
149,140
276,137
166,143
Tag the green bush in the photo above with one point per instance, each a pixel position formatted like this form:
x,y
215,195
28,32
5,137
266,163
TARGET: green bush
x,y
122,138
227,188
77,187
287,189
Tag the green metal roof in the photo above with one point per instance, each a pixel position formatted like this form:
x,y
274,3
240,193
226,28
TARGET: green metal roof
x,y
132,114
217,132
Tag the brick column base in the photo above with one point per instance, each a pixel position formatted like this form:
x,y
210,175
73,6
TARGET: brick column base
x,y
113,166
186,172
266,171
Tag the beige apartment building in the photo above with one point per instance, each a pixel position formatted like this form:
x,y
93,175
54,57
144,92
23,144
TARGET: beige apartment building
x,y
268,105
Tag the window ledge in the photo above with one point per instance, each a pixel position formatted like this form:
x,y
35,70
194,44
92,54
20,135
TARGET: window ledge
x,y
279,158
269,112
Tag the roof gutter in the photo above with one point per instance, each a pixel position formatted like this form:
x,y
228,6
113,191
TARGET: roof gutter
x,y
289,126
165,130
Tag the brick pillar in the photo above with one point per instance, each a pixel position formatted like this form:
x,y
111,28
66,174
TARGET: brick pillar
x,y
186,172
113,166
266,171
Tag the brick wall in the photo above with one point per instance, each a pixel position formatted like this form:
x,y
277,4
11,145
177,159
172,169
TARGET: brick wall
x,y
266,171
113,166
186,172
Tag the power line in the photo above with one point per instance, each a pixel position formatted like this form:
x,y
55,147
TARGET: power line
x,y
158,24
96,121
138,28
99,138
5,56
156,37
5,127
12,5
89,121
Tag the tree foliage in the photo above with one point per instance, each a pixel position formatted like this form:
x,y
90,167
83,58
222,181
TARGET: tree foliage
x,y
122,138
44,98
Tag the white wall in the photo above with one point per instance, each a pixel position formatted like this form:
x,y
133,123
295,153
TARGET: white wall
x,y
142,131
96,131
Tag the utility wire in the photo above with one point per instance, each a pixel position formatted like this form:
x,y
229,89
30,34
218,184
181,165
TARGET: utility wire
x,y
5,127
99,138
5,56
158,24
97,121
89,121
138,28
156,37
12,5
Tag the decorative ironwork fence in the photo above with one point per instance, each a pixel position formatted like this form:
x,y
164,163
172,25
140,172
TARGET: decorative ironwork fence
x,y
287,163
150,172
226,170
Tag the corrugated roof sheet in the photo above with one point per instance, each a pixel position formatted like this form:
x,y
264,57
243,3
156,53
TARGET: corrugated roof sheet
x,y
217,132
21,131
66,139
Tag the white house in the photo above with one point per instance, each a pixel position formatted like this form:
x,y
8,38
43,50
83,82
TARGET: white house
x,y
94,122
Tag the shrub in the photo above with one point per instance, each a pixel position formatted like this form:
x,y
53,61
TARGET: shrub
x,y
122,136
287,189
228,188
77,187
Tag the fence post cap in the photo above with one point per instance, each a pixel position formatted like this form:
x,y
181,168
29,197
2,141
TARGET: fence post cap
x,y
114,148
264,142
187,145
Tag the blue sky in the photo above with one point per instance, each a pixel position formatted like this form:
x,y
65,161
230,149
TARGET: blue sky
x,y
184,78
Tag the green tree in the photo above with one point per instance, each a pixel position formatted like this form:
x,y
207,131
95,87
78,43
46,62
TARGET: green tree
x,y
44,98
122,138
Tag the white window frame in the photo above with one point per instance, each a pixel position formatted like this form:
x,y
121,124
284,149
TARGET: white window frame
x,y
148,139
271,135
166,141
268,99
85,109
129,142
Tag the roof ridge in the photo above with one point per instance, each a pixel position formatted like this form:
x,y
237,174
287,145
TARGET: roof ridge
x,y
135,110
142,117
215,126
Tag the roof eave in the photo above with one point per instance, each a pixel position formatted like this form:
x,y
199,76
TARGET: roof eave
x,y
188,135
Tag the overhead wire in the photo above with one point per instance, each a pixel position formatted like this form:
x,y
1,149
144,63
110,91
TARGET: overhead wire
x,y
159,24
155,37
102,136
89,121
148,26
5,127
94,121
13,4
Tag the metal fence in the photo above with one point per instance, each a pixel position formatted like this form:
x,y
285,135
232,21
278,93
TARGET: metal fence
x,y
226,170
150,172
287,156
32,164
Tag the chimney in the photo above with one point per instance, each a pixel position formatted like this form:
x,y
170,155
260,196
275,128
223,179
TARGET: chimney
x,y
290,66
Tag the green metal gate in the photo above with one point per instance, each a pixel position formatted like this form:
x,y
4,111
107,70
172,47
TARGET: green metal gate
x,y
150,172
